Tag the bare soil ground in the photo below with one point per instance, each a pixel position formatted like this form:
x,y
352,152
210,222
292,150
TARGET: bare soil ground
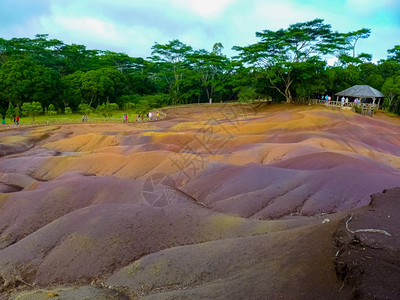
x,y
226,201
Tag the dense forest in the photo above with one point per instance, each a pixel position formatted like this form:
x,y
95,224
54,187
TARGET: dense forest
x,y
285,65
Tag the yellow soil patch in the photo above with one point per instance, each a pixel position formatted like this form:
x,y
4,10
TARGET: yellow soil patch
x,y
385,158
220,224
40,131
124,166
2,199
266,153
230,226
299,121
85,142
175,138
327,144
14,140
35,134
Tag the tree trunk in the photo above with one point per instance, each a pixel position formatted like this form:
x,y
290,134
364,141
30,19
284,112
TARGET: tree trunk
x,y
287,94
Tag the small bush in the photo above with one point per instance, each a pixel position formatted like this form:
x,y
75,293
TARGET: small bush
x,y
107,109
51,110
32,109
357,109
10,113
84,108
247,94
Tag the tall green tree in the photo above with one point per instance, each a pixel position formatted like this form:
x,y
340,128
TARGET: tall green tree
x,y
279,52
71,95
211,68
388,68
23,80
347,43
99,86
391,88
172,56
77,58
142,78
394,54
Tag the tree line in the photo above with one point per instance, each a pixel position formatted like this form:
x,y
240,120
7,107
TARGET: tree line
x,y
288,65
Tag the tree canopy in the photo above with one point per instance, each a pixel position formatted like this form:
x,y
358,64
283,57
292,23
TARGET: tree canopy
x,y
289,64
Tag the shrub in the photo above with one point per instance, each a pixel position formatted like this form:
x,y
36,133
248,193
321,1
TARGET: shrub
x,y
51,110
107,109
357,109
247,94
10,113
84,108
32,109
68,110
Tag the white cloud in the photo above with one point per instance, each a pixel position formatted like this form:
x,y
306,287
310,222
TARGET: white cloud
x,y
204,8
369,7
100,34
86,26
132,26
283,13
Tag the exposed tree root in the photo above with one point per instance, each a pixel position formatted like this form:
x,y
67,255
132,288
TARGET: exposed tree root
x,y
365,230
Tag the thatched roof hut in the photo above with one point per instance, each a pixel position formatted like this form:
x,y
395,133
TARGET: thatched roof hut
x,y
361,91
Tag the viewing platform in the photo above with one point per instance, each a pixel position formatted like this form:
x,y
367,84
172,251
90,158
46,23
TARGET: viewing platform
x,y
363,108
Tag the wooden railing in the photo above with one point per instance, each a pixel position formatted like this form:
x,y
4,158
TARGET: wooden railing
x,y
363,108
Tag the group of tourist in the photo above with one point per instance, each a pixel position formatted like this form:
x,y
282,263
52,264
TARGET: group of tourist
x,y
150,116
16,120
344,101
327,99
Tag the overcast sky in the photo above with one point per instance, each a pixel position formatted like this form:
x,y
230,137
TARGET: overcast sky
x,y
133,26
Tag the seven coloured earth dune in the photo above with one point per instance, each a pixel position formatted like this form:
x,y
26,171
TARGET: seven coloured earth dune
x,y
225,201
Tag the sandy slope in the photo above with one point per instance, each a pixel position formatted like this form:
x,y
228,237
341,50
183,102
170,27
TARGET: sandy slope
x,y
222,201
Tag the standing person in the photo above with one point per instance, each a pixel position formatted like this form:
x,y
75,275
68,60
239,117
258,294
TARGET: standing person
x,y
150,115
158,116
3,121
347,100
342,100
329,99
17,120
83,118
126,118
326,99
